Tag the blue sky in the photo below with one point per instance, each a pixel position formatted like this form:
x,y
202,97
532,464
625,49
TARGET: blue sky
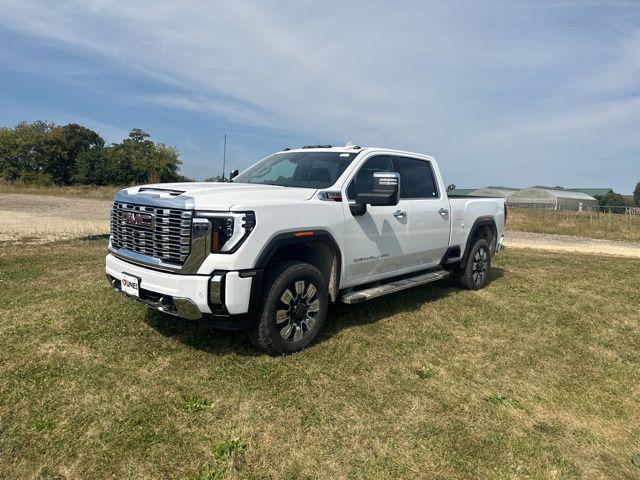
x,y
505,93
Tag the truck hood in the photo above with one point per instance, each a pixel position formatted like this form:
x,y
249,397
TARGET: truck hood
x,y
217,196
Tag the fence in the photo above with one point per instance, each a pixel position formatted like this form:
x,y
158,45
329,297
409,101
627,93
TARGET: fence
x,y
619,209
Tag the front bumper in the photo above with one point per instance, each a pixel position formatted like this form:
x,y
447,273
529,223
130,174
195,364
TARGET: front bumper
x,y
222,294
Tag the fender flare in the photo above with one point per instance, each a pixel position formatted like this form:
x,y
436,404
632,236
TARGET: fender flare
x,y
297,238
480,222
301,238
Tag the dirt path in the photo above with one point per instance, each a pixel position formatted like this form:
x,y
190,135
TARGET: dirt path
x,y
567,243
44,218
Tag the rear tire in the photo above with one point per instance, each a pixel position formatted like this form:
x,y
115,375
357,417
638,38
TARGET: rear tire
x,y
475,273
293,308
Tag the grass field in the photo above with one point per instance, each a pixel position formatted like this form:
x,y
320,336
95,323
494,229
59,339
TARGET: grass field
x,y
607,226
536,376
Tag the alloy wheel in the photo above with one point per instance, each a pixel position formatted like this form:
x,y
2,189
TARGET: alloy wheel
x,y
480,267
297,310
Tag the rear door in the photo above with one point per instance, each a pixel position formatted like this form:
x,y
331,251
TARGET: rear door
x,y
428,211
376,242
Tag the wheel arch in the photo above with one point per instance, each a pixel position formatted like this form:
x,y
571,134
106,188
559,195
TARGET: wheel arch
x,y
483,227
317,247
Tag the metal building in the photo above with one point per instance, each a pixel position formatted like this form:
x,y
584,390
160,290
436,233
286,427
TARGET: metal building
x,y
461,191
547,198
500,192
594,192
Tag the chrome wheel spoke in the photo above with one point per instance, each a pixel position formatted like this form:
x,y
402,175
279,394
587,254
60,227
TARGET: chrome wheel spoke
x,y
309,322
286,331
299,288
314,306
297,333
282,316
287,297
311,291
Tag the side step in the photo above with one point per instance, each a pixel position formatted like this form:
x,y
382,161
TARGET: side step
x,y
373,292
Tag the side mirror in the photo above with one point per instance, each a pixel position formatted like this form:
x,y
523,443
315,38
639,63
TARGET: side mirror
x,y
385,190
233,174
451,188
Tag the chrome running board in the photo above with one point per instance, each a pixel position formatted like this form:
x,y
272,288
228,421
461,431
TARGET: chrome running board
x,y
391,287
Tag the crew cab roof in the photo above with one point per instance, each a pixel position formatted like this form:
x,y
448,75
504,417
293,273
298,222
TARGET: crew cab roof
x,y
355,149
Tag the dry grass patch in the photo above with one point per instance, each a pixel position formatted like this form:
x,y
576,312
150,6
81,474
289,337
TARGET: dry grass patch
x,y
607,226
76,191
535,376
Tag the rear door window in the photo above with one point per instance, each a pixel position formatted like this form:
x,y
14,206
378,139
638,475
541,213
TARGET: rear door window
x,y
416,178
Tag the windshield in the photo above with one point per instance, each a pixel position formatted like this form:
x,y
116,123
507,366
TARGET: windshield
x,y
298,169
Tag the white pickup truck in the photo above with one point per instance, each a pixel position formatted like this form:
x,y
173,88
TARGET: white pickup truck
x,y
268,251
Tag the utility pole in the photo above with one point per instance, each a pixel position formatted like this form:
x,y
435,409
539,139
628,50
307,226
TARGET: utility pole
x,y
224,156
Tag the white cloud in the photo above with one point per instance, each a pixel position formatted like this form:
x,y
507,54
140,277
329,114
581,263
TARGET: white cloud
x,y
518,86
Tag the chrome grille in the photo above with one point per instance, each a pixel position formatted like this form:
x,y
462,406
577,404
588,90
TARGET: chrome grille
x,y
162,233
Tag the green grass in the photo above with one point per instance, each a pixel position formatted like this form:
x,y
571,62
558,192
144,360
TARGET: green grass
x,y
535,376
195,403
607,226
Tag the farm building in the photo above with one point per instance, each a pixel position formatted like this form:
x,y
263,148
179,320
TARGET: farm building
x,y
547,198
501,192
594,192
461,191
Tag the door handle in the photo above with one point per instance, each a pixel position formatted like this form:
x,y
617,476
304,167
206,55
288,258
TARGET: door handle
x,y
443,211
399,213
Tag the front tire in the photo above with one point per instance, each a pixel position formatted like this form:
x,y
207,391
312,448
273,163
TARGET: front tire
x,y
475,273
293,308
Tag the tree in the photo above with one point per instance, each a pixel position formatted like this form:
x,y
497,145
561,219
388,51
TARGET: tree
x,y
139,160
613,199
636,194
217,178
92,168
34,149
46,153
78,141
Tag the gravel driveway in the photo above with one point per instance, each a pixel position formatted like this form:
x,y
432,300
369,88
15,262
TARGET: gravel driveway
x,y
567,243
44,218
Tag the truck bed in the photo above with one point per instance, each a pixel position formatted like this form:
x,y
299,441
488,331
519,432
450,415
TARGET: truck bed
x,y
466,210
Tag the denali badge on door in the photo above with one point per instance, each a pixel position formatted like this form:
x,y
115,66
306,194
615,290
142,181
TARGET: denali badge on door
x,y
130,285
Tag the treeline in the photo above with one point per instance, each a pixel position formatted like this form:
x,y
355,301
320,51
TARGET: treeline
x,y
612,199
42,153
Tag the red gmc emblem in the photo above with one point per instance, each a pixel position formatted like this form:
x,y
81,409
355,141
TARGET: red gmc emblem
x,y
139,219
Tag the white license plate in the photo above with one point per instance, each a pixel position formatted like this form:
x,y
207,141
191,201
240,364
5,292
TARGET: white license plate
x,y
130,285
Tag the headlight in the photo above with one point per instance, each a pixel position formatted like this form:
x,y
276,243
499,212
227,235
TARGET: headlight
x,y
229,230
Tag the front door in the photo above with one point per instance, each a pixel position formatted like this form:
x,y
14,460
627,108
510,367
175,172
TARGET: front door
x,y
376,242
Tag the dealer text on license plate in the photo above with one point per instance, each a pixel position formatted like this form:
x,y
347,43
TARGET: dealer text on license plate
x,y
130,285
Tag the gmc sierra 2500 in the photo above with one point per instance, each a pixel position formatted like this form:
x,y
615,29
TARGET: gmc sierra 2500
x,y
269,250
